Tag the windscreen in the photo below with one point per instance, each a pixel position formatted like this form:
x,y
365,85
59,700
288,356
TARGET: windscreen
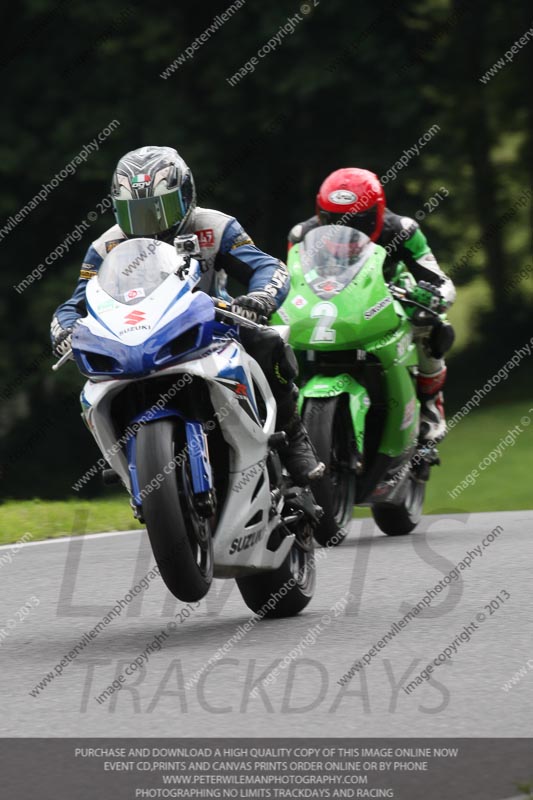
x,y
136,267
331,257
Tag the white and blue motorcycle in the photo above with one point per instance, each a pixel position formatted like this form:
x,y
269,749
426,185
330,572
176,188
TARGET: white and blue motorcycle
x,y
185,418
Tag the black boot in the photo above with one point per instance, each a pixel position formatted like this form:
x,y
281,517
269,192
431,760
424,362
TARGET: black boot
x,y
299,456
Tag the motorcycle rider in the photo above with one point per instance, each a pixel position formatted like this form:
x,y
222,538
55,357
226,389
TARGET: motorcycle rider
x,y
154,196
355,197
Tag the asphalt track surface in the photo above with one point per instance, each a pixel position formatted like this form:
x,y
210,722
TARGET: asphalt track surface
x,y
77,581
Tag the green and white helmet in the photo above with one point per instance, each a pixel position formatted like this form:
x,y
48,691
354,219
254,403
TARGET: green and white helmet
x,y
153,193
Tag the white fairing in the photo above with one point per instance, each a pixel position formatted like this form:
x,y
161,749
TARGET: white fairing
x,y
244,526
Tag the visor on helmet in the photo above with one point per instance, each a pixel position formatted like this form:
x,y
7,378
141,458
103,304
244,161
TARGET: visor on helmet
x,y
149,216
364,221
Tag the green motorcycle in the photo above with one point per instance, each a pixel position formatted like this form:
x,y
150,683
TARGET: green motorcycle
x,y
355,336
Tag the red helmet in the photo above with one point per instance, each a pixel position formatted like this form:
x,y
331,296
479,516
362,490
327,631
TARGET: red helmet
x,y
352,197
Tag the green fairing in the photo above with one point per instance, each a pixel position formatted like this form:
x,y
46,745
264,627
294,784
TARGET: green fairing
x,y
320,386
348,326
339,323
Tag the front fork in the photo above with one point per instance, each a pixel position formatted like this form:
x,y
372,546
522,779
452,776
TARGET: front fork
x,y
197,452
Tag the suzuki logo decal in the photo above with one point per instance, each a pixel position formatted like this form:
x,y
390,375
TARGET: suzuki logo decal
x,y
134,317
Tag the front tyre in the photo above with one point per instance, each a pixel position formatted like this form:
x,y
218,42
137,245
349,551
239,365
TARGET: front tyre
x,y
330,428
402,519
180,538
284,592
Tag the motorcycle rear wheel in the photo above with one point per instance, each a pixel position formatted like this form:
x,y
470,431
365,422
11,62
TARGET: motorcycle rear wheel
x,y
181,539
286,591
402,519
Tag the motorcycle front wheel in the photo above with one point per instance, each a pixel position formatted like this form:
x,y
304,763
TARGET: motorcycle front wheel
x,y
180,537
330,428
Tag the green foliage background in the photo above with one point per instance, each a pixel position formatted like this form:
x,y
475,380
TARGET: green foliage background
x,y
355,84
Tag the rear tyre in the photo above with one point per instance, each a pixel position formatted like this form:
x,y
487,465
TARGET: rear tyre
x,y
330,428
287,590
401,520
181,539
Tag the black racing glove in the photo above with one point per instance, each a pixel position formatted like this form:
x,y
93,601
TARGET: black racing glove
x,y
256,306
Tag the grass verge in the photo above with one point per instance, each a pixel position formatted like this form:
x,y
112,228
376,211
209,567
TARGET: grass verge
x,y
42,519
505,485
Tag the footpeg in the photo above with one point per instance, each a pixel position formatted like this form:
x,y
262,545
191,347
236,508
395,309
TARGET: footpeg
x,y
431,455
425,458
302,499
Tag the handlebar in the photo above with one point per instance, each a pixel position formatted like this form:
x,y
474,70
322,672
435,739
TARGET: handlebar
x,y
404,296
224,308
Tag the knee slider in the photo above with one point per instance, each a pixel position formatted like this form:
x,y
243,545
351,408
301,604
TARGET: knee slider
x,y
440,340
275,357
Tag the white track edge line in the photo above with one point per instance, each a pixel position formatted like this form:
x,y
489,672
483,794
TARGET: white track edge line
x,y
61,539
